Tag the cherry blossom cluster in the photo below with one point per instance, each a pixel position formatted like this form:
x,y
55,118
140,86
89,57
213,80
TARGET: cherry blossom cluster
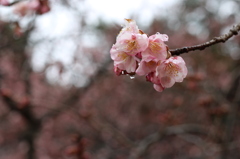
x,y
136,53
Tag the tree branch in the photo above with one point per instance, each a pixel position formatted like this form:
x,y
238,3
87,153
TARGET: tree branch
x,y
24,110
229,124
221,39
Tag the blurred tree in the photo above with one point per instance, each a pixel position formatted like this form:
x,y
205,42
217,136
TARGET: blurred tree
x,y
75,107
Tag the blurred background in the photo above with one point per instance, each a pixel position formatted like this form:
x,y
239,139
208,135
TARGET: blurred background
x,y
60,98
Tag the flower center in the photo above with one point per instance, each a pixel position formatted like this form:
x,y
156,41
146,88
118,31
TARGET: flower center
x,y
172,69
155,47
151,64
123,56
131,45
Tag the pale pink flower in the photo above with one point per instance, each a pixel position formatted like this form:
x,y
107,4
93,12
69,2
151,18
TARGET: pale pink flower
x,y
130,39
145,67
130,26
132,43
123,61
171,70
157,49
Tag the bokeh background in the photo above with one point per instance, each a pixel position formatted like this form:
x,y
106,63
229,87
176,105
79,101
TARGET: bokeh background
x,y
60,98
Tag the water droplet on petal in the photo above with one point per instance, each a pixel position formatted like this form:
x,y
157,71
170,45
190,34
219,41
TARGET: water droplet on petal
x,y
122,72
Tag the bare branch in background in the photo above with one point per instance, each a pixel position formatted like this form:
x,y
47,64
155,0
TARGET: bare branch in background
x,y
173,130
229,124
34,124
221,39
101,126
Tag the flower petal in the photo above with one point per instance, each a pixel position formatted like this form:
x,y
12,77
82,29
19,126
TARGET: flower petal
x,y
158,87
167,82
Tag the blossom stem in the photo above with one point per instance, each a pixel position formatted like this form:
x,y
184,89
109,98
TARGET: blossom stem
x,y
221,39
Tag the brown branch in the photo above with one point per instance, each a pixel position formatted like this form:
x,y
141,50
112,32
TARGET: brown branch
x,y
221,39
24,110
230,123
231,95
229,118
173,130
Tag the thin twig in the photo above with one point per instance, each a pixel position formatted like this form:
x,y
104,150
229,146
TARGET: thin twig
x,y
221,39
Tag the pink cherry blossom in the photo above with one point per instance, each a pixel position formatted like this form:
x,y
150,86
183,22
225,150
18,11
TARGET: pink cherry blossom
x,y
156,50
130,26
132,43
145,67
130,39
123,61
171,70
